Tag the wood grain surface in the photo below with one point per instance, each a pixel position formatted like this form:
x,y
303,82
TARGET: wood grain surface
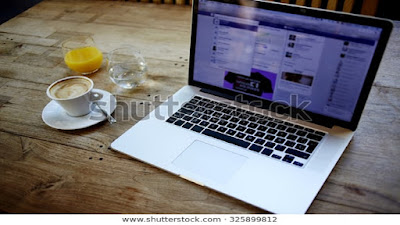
x,y
44,170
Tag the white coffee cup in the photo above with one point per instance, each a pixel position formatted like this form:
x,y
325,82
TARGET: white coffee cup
x,y
74,94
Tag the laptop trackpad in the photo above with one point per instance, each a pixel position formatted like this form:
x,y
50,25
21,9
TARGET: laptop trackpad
x,y
209,162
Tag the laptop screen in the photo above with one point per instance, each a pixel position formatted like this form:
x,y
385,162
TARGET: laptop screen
x,y
284,57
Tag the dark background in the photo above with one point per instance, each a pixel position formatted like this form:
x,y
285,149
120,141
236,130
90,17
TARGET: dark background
x,y
386,8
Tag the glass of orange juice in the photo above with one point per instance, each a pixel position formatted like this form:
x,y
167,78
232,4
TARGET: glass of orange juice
x,y
81,54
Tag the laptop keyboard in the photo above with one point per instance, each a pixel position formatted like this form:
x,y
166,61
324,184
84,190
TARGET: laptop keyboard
x,y
270,137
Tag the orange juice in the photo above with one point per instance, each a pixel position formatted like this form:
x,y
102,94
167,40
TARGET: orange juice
x,y
84,60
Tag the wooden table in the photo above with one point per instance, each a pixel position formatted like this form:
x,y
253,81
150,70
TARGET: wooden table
x,y
44,170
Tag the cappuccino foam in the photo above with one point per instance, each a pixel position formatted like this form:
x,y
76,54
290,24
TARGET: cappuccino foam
x,y
70,88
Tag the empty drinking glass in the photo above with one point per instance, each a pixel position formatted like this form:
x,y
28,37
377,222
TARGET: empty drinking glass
x,y
126,67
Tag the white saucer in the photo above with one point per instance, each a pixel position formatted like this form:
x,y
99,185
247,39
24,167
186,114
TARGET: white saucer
x,y
55,116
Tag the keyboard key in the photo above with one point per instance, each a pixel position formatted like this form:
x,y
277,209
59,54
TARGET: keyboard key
x,y
241,128
197,128
222,129
178,115
271,131
281,134
281,127
279,140
187,118
272,124
252,119
231,132
234,120
267,151
225,117
250,138
255,148
205,117
187,125
231,125
243,122
226,138
290,143
217,114
197,114
270,144
252,125
301,133
259,134
276,156
250,131
291,137
300,147
179,122
259,141
171,120
223,122
213,120
204,123
298,153
319,133
195,120
288,158
189,106
269,137
280,148
298,163
314,137
240,135
262,128
291,130
302,140
185,111
213,126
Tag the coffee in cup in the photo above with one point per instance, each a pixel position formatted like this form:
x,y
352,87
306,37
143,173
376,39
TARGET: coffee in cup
x,y
74,94
70,88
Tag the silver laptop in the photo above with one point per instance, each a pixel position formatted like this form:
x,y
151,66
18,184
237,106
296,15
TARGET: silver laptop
x,y
275,94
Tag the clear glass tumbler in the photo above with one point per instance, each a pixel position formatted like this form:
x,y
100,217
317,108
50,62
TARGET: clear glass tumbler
x,y
126,67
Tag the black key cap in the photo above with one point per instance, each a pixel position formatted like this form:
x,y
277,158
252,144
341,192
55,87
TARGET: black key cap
x,y
269,137
276,156
298,153
311,146
301,133
214,120
290,143
197,114
222,129
178,115
252,125
259,141
234,120
288,158
226,138
217,108
204,123
281,134
314,137
252,119
185,111
195,120
187,118
222,122
205,117
250,131
302,140
213,126
259,134
255,148
309,130
298,163
231,132
193,101
231,125
225,117
189,106
272,124
291,137
319,133
271,131
197,97
187,125
281,127
300,147
197,128
291,130
262,128
267,151
250,138
241,128
179,122
280,148
171,120
240,135
243,122
270,144
279,140
217,114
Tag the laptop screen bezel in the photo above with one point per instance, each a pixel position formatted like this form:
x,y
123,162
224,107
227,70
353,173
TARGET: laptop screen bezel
x,y
327,121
